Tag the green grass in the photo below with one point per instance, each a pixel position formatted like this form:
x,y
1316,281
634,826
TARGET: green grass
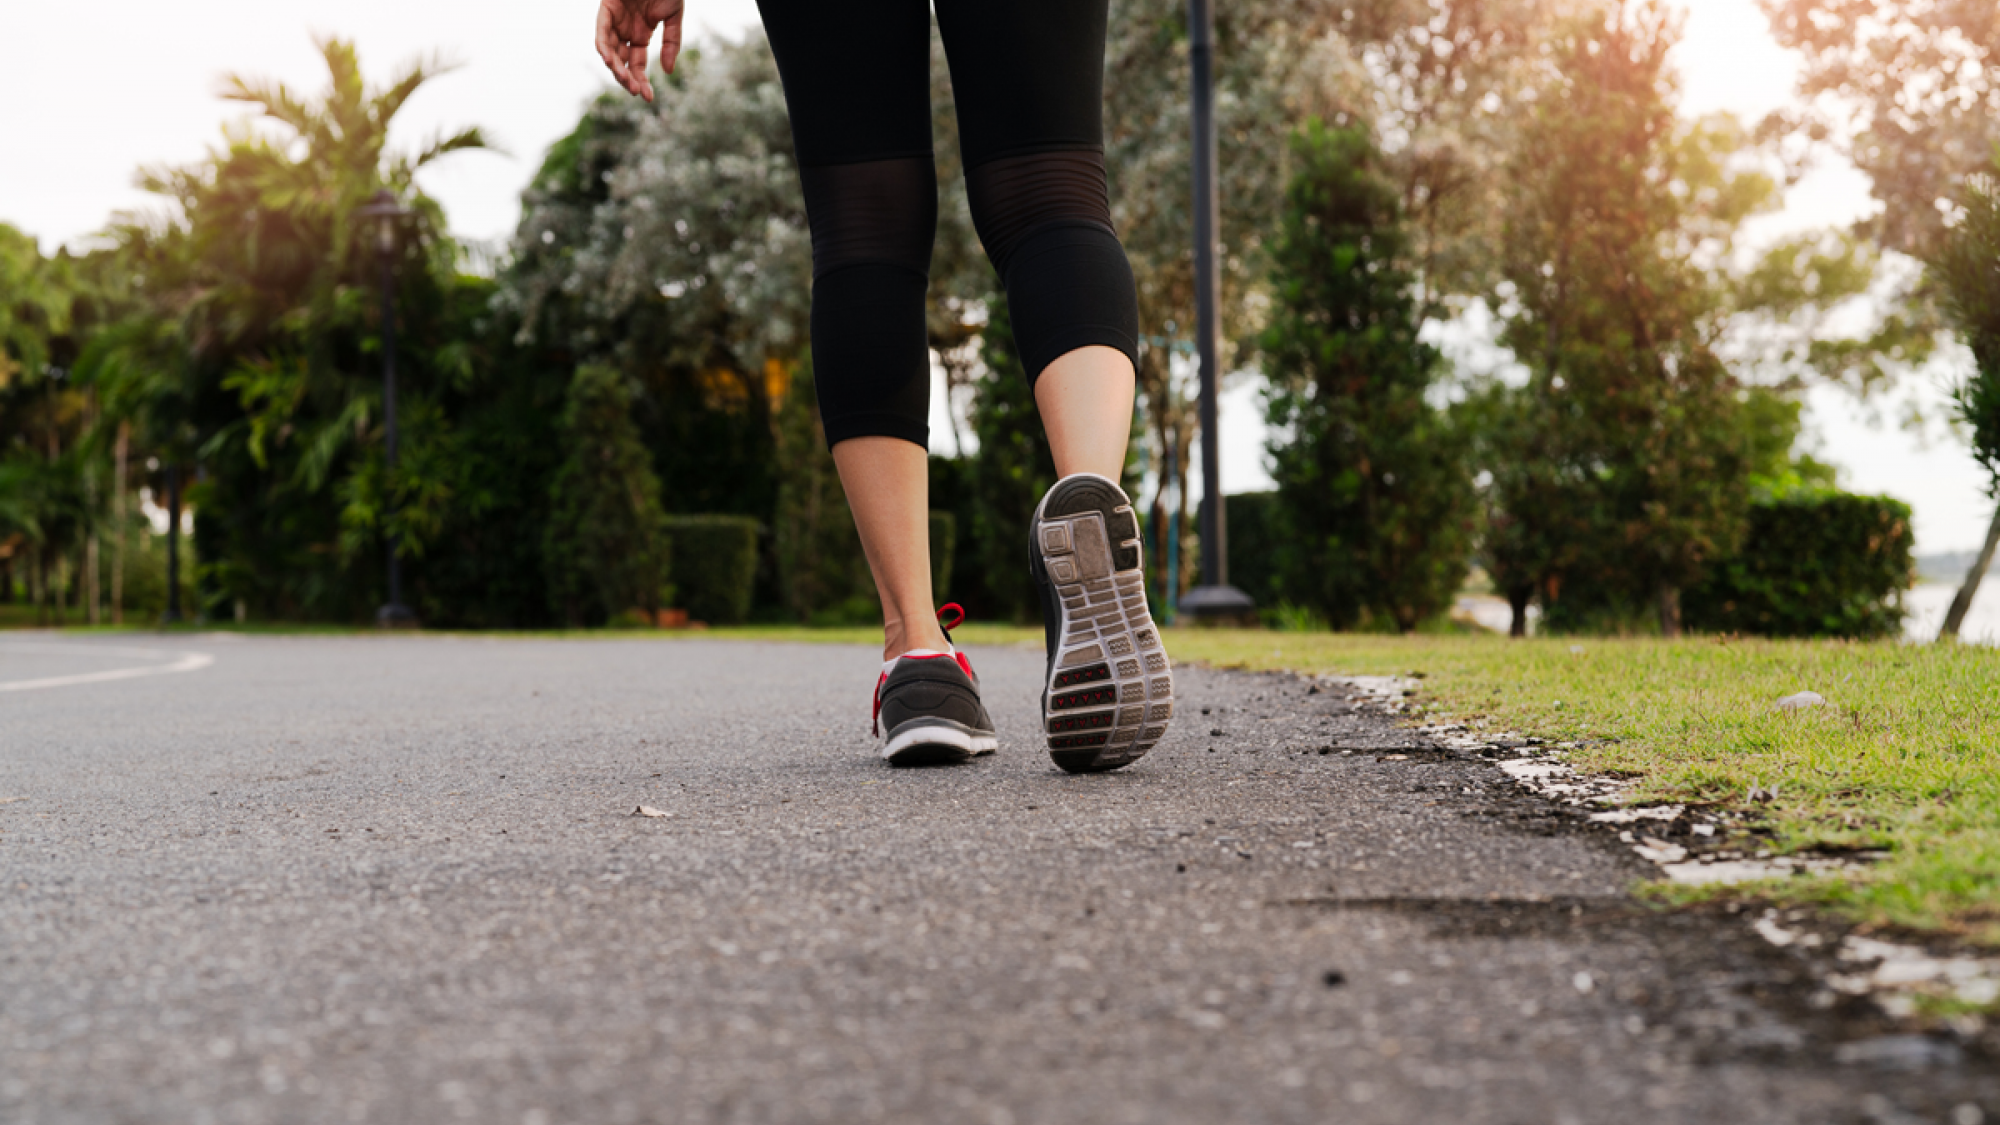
x,y
1904,756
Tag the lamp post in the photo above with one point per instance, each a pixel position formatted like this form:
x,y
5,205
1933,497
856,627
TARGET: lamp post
x,y
173,614
388,215
1214,599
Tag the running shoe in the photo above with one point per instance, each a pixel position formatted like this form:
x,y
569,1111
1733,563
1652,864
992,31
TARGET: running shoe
x,y
929,703
1109,689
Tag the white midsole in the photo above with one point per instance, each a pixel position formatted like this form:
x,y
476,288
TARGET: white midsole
x,y
938,734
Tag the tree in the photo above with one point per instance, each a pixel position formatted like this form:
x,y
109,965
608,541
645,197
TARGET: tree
x,y
1634,413
1275,60
671,240
47,419
1915,97
1372,480
605,543
1968,272
1443,83
261,285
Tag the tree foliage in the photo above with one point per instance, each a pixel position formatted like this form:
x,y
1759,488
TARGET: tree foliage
x,y
261,311
1967,270
1442,81
50,473
1908,89
1373,485
1622,460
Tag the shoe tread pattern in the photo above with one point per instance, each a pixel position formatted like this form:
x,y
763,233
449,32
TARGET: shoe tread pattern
x,y
1110,685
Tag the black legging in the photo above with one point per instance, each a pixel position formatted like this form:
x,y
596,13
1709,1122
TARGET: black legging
x,y
1028,79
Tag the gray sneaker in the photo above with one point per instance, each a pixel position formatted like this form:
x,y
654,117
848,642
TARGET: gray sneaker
x,y
929,703
1109,690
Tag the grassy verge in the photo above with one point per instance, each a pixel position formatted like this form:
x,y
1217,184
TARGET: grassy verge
x,y
1905,755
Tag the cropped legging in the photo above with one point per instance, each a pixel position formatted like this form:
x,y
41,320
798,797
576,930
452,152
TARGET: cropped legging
x,y
1028,80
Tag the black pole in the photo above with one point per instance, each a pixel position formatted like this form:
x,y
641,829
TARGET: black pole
x,y
173,614
1215,598
394,614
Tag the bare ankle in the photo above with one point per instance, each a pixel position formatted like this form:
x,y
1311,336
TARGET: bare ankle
x,y
899,638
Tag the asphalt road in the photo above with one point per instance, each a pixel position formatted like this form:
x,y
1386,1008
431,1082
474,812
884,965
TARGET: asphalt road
x,y
395,880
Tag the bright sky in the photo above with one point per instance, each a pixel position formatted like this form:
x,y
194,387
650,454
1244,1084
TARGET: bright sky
x,y
82,116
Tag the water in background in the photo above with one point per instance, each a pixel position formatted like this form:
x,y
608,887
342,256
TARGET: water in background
x,y
1928,602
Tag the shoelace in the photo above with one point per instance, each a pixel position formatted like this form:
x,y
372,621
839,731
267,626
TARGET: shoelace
x,y
957,613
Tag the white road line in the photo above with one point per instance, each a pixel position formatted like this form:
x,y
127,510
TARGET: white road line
x,y
180,662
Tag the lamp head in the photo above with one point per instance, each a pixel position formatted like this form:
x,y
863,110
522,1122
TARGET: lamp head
x,y
387,213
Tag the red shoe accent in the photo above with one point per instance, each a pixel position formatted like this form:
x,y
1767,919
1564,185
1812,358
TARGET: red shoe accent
x,y
958,618
957,613
875,723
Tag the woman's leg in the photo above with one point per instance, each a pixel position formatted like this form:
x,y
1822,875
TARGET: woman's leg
x,y
888,487
1085,399
857,82
1027,76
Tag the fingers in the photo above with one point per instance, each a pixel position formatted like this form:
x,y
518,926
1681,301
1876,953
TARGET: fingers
x,y
622,37
670,38
635,65
610,41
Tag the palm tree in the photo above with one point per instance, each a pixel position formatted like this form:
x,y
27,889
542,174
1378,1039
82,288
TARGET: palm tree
x,y
251,349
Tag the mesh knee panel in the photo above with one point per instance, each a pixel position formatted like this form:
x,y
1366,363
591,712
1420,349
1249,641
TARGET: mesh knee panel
x,y
872,226
876,212
1045,219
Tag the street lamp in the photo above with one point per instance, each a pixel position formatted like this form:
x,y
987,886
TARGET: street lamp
x,y
1215,599
388,215
173,614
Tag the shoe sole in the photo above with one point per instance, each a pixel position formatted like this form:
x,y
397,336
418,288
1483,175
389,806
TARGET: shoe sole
x,y
936,742
1109,691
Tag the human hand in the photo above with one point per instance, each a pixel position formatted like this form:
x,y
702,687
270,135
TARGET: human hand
x,y
625,28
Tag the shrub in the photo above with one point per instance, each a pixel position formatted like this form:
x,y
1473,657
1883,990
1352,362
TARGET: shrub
x,y
714,566
604,545
1813,564
944,541
822,573
951,494
1253,548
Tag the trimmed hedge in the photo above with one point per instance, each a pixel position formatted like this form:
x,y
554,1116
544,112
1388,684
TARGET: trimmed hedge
x,y
1254,538
714,566
1815,564
944,541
